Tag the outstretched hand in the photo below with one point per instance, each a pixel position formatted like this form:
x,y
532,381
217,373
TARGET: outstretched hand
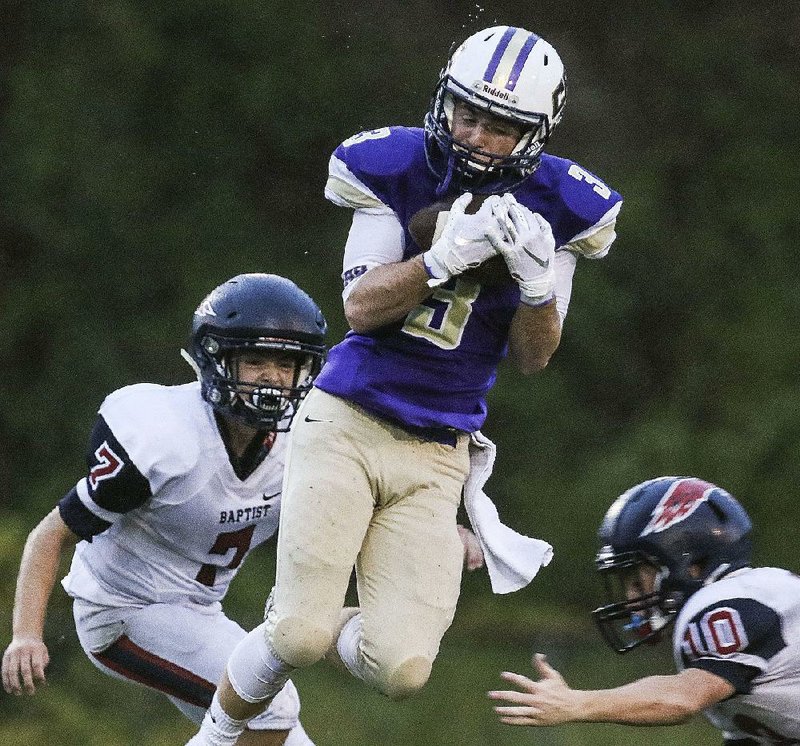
x,y
548,701
24,662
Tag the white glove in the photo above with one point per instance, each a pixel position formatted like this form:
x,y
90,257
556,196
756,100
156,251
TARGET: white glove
x,y
529,250
466,241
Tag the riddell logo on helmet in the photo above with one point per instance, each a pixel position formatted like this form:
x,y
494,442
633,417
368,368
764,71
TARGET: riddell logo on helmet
x,y
494,91
679,502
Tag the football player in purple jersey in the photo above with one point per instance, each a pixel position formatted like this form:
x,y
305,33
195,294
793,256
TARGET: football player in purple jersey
x,y
380,451
182,483
677,550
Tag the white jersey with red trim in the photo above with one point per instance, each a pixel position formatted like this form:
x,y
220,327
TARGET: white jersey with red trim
x,y
746,629
164,516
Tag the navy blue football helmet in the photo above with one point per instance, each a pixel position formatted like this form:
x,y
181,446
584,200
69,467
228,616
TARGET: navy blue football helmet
x,y
256,312
660,542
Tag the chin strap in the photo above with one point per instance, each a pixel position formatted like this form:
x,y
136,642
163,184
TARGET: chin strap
x,y
723,569
444,184
189,359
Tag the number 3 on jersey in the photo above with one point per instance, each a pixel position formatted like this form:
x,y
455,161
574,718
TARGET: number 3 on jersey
x,y
576,172
377,134
442,318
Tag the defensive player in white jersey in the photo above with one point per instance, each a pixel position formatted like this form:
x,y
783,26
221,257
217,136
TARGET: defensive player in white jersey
x,y
380,456
183,482
677,549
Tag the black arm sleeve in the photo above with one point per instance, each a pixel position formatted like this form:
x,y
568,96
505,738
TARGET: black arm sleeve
x,y
113,485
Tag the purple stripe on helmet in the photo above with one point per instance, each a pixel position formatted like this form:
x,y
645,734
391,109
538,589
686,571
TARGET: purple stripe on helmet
x,y
498,53
522,58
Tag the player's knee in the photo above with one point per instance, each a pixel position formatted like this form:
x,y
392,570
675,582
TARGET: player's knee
x,y
300,642
407,678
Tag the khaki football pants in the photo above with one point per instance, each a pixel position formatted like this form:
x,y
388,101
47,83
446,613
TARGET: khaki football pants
x,y
359,491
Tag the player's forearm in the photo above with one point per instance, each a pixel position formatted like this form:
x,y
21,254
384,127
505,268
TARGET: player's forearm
x,y
655,700
386,294
534,336
37,576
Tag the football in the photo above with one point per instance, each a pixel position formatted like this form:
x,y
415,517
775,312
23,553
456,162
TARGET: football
x,y
422,228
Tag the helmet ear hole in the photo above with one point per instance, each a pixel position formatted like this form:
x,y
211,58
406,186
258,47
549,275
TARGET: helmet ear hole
x,y
699,567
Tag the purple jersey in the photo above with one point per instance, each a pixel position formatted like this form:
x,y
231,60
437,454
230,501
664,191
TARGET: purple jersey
x,y
434,368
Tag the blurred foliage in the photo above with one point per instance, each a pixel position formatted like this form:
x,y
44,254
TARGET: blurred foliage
x,y
148,151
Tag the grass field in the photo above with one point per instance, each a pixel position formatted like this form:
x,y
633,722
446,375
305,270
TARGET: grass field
x,y
453,710
81,706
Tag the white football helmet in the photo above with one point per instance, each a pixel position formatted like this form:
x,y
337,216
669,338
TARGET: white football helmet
x,y
506,71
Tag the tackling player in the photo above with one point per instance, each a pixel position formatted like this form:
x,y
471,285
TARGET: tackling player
x,y
183,482
677,550
379,455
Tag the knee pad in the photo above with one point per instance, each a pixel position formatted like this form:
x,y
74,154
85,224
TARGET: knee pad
x,y
299,641
406,679
256,673
395,681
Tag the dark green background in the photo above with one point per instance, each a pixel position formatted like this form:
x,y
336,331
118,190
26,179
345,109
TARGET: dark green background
x,y
150,150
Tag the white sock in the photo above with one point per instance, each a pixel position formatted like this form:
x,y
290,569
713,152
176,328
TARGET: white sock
x,y
218,728
298,737
255,672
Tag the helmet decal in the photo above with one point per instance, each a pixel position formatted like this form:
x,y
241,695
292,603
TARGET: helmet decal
x,y
510,57
682,498
694,534
206,309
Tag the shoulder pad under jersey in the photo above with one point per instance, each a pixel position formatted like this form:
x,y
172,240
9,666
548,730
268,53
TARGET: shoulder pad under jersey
x,y
160,427
365,168
733,636
584,213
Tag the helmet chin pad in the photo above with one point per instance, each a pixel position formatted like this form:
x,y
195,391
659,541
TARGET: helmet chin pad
x,y
266,399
